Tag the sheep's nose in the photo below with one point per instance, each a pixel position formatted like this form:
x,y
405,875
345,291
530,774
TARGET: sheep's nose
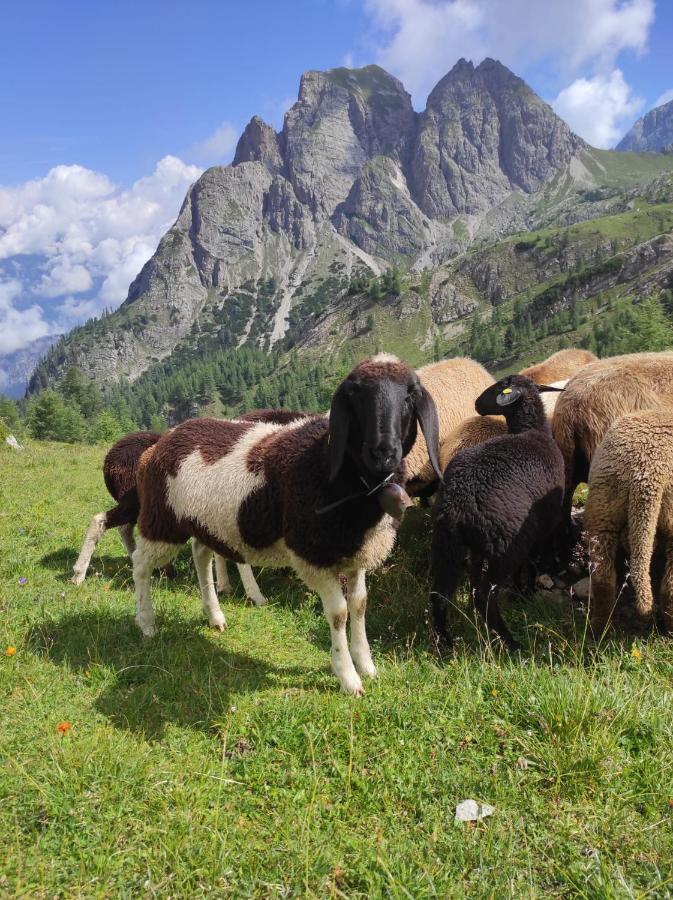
x,y
384,454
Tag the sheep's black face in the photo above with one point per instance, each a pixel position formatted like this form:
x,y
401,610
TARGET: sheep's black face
x,y
374,418
507,392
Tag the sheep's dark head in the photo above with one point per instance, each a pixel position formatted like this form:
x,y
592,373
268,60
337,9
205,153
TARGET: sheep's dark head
x,y
515,396
374,417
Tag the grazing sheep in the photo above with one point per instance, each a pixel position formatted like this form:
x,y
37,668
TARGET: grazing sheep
x,y
559,366
595,398
496,500
454,385
631,500
303,495
119,473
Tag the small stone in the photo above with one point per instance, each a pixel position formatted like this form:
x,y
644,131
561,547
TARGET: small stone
x,y
472,811
582,589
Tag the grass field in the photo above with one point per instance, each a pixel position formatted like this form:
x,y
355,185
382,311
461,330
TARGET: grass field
x,y
229,764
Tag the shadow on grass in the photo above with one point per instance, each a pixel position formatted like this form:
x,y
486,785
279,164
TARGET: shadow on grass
x,y
183,676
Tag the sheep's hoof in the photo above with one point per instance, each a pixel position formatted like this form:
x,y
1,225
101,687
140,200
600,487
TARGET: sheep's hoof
x,y
441,645
77,578
353,686
510,645
366,667
218,622
644,610
223,589
598,627
148,629
259,601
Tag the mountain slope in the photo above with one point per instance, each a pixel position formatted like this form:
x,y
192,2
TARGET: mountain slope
x,y
652,132
355,182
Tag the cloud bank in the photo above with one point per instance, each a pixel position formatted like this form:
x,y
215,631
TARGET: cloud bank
x,y
577,41
72,242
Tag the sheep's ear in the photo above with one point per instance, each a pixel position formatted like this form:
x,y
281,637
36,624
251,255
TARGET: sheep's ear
x,y
508,396
548,387
426,413
338,431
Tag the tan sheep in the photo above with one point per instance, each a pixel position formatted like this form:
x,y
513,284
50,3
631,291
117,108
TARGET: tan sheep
x,y
559,366
454,385
630,497
469,433
596,397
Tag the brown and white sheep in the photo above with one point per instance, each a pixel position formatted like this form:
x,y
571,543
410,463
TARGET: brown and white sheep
x,y
302,495
119,473
631,502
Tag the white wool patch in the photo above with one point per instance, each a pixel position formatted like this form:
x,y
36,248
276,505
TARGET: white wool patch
x,y
385,358
212,494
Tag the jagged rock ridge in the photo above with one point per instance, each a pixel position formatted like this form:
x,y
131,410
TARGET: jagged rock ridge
x,y
356,180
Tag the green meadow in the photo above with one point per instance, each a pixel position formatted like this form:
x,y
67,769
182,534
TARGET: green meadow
x,y
228,764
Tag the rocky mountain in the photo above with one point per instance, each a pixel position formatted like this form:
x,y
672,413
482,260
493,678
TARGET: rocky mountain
x,y
652,132
17,367
356,182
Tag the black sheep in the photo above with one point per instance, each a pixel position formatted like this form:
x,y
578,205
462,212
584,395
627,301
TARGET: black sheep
x,y
496,500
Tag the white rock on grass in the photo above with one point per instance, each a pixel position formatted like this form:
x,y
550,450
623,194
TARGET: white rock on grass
x,y
472,811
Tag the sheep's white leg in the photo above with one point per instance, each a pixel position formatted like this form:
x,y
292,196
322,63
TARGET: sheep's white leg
x,y
94,533
126,535
148,555
203,557
250,585
336,612
222,575
357,605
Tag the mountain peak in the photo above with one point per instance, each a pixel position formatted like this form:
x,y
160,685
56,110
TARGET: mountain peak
x,y
652,132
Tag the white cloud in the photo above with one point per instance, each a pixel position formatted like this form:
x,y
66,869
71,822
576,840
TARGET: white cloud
x,y
420,40
92,237
18,326
666,97
217,147
598,108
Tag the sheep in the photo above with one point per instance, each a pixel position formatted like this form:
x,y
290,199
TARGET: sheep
x,y
595,398
303,495
559,366
119,473
631,496
454,385
496,500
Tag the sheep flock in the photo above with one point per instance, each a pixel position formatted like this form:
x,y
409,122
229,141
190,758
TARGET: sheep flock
x,y
323,495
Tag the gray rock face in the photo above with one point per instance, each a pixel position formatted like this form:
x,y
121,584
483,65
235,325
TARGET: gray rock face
x,y
355,180
380,215
259,143
653,132
483,134
342,118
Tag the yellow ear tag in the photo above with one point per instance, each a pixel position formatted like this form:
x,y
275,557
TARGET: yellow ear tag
x,y
507,391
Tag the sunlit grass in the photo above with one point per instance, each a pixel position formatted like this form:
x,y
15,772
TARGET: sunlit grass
x,y
229,764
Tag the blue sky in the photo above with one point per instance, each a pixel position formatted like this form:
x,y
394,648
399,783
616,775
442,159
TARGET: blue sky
x,y
111,110
116,86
